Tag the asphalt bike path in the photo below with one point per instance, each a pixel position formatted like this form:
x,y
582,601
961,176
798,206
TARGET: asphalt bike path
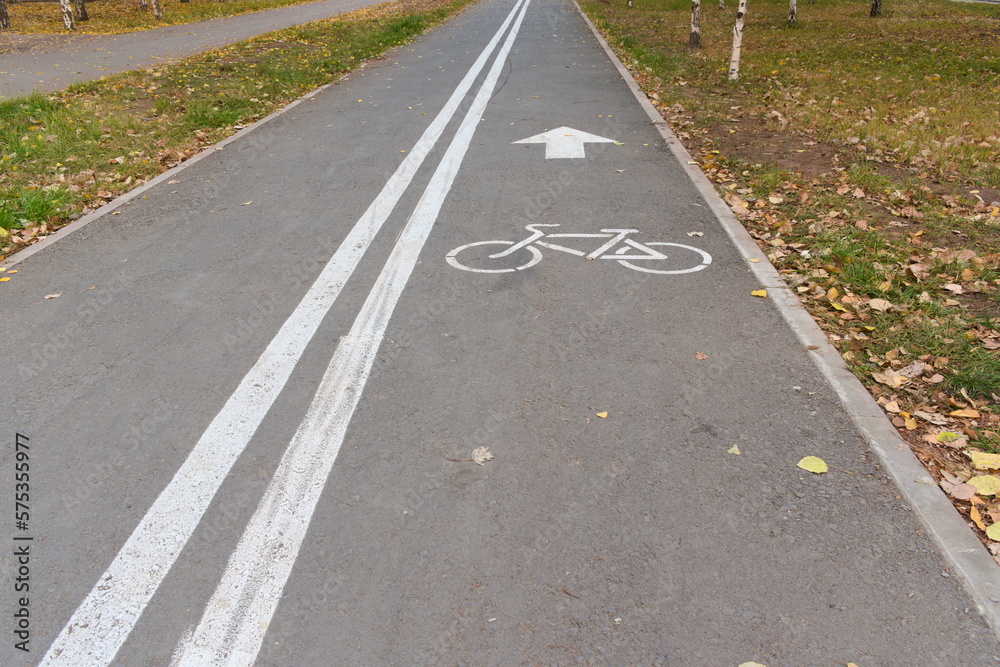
x,y
46,63
253,404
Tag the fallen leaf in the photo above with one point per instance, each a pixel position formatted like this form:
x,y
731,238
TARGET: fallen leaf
x,y
993,532
984,461
700,357
481,455
953,288
53,296
696,233
735,449
755,261
812,347
752,664
762,293
977,518
986,485
602,415
880,305
965,412
817,465
776,199
247,203
4,279
958,491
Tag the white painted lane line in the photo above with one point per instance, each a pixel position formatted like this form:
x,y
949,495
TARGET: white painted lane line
x,y
236,619
101,624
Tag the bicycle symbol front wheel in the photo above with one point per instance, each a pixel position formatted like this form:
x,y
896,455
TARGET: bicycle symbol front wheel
x,y
485,258
685,259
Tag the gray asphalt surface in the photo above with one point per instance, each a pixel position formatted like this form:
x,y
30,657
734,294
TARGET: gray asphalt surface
x,y
45,63
635,539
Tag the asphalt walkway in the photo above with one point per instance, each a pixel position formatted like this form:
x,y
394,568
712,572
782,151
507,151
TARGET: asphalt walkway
x,y
450,363
45,63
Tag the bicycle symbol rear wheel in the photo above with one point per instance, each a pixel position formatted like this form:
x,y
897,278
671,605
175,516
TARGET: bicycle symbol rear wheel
x,y
452,258
703,258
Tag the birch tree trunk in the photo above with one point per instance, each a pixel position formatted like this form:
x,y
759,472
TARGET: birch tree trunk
x,y
629,3
67,14
143,5
734,61
157,9
694,39
791,11
876,8
722,4
81,10
4,16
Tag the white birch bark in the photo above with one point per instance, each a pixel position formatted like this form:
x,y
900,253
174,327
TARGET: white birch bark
x,y
694,39
876,8
629,3
4,16
143,5
792,6
81,10
67,14
157,9
734,61
722,4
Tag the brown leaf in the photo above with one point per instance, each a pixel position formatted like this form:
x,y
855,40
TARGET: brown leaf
x,y
700,357
958,491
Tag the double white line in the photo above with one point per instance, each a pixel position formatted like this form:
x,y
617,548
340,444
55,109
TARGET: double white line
x,y
236,618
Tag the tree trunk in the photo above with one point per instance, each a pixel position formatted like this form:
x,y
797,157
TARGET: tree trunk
x,y
4,16
143,5
734,61
791,11
694,39
157,9
81,10
629,3
876,8
67,14
722,4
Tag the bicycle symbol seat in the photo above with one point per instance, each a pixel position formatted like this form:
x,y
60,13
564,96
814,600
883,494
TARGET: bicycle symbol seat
x,y
627,252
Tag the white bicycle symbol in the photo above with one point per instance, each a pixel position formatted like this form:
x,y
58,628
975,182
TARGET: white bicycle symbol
x,y
628,252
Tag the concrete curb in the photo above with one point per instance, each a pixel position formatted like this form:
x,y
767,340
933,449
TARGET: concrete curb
x,y
962,550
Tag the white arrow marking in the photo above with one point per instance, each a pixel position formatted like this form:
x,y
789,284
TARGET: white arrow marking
x,y
565,142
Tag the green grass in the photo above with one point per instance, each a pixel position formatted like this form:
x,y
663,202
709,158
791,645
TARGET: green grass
x,y
64,154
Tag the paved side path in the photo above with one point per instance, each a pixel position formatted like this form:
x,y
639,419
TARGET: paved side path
x,y
51,62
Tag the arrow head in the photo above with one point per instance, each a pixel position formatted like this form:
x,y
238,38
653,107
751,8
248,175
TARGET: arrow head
x,y
565,142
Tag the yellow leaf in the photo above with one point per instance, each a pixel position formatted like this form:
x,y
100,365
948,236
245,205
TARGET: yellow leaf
x,y
965,412
4,279
762,293
993,532
247,203
832,294
735,449
817,465
984,461
985,485
977,518
837,306
910,423
602,415
752,664
947,436
755,261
